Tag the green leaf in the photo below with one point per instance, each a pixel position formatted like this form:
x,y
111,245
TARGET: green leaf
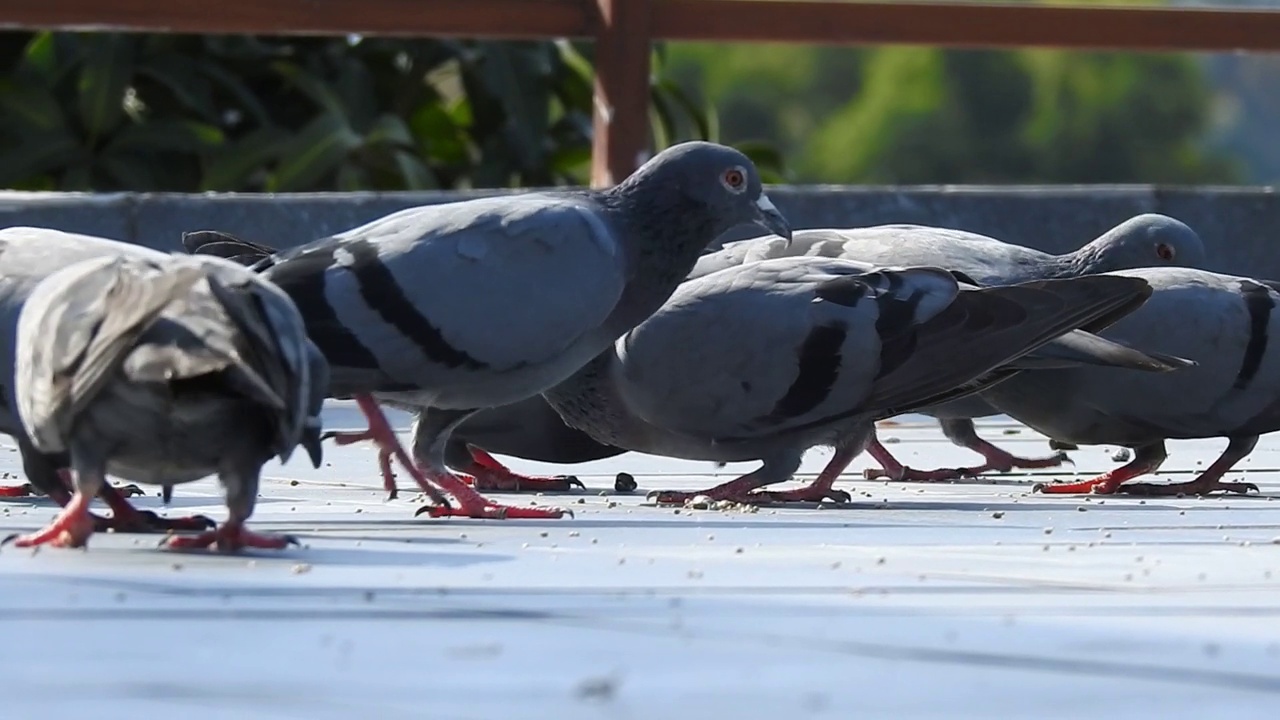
x,y
417,176
356,94
29,108
234,86
103,80
315,152
231,166
181,76
312,87
37,154
512,77
390,130
669,90
40,60
767,159
130,172
438,136
184,136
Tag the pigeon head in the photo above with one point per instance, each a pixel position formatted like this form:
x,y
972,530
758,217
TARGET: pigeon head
x,y
1147,240
718,182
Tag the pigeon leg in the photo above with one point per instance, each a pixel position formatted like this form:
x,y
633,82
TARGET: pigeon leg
x,y
74,524
1146,459
431,434
231,536
380,432
128,519
820,489
472,504
774,470
490,474
1209,481
963,433
891,469
344,437
71,528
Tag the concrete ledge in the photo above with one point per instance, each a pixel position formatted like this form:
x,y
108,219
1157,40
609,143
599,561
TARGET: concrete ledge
x,y
1237,224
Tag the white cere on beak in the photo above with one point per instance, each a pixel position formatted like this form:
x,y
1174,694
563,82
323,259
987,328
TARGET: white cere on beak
x,y
765,204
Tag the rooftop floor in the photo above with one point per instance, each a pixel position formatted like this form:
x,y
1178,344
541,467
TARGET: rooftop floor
x,y
916,601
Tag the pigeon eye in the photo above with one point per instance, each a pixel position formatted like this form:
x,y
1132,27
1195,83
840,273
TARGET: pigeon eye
x,y
1164,251
735,179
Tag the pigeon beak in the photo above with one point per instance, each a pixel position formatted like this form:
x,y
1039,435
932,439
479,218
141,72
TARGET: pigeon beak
x,y
310,441
769,218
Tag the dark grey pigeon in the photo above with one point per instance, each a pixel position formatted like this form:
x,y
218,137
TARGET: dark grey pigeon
x,y
533,432
458,307
766,360
1226,324
162,371
27,257
1147,240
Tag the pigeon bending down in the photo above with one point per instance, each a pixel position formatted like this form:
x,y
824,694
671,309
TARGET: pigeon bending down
x,y
28,256
530,429
766,360
1146,240
1225,324
453,308
162,371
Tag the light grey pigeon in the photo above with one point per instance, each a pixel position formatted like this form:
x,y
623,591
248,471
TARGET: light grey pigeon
x,y
162,371
28,256
766,360
486,302
1146,240
1225,324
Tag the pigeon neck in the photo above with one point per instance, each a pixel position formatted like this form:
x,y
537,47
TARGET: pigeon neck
x,y
589,402
671,232
1089,259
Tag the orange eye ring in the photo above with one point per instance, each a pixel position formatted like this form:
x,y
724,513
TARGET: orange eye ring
x,y
1164,251
735,179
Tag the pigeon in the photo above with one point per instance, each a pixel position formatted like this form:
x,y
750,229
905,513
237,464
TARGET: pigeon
x,y
1225,324
1141,241
162,371
454,308
766,360
28,255
530,429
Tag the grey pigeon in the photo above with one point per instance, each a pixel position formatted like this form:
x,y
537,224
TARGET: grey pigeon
x,y
28,256
1222,322
766,360
532,431
1146,240
458,307
162,371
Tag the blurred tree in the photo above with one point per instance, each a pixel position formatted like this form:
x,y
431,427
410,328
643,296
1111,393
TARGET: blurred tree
x,y
920,115
103,111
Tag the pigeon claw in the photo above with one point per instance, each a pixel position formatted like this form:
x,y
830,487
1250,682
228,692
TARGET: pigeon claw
x,y
487,479
1187,488
145,521
229,538
72,528
494,511
809,494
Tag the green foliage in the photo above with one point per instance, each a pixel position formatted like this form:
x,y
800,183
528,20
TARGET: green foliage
x,y
920,115
104,112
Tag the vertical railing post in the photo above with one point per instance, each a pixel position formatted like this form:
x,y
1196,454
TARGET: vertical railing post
x,y
620,141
